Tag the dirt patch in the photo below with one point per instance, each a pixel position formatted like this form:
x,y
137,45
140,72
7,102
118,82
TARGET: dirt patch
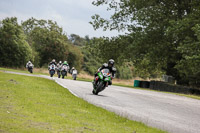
x,y
13,81
2,131
39,125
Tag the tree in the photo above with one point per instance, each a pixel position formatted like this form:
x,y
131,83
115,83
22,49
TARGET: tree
x,y
90,62
157,30
14,50
47,40
75,57
77,40
189,65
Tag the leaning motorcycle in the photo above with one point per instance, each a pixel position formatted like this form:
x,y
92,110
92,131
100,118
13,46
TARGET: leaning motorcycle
x,y
52,69
104,76
74,74
30,68
64,70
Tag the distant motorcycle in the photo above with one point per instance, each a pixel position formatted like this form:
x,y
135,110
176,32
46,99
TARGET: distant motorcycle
x,y
52,69
30,68
74,74
64,70
59,71
104,76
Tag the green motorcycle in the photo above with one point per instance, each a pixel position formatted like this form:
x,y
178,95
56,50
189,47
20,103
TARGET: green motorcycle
x,y
104,76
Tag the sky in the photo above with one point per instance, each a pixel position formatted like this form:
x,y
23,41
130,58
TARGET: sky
x,y
72,15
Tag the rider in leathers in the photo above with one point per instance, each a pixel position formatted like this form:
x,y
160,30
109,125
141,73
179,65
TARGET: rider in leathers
x,y
65,63
59,65
52,62
28,64
110,66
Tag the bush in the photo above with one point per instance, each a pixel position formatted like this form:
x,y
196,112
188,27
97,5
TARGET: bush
x,y
123,72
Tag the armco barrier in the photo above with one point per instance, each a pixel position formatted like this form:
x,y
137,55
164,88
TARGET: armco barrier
x,y
144,84
163,86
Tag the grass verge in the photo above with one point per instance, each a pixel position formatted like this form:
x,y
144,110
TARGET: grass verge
x,y
35,70
32,104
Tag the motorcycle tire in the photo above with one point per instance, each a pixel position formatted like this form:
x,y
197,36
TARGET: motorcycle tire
x,y
52,73
93,92
74,77
99,86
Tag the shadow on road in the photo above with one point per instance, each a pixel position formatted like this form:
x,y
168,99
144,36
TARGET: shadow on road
x,y
96,95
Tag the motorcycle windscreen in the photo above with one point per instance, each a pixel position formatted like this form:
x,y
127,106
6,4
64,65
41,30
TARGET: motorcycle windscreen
x,y
64,68
105,72
52,67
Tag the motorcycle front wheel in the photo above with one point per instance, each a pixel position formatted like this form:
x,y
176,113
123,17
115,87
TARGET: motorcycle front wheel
x,y
51,73
99,88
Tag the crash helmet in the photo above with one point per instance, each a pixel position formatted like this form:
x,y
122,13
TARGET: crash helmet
x,y
60,62
111,63
29,62
65,62
73,68
53,60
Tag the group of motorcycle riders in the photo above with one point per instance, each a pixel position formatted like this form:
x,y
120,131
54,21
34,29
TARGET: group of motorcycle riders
x,y
106,72
57,66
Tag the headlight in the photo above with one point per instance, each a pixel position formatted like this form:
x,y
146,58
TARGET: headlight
x,y
106,79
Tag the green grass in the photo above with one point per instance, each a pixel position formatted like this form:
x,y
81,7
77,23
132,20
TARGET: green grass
x,y
21,71
190,96
32,104
14,70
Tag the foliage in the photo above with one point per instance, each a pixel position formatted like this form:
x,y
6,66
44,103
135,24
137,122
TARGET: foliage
x,y
75,57
158,31
189,65
77,40
47,40
14,49
124,72
91,62
118,49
